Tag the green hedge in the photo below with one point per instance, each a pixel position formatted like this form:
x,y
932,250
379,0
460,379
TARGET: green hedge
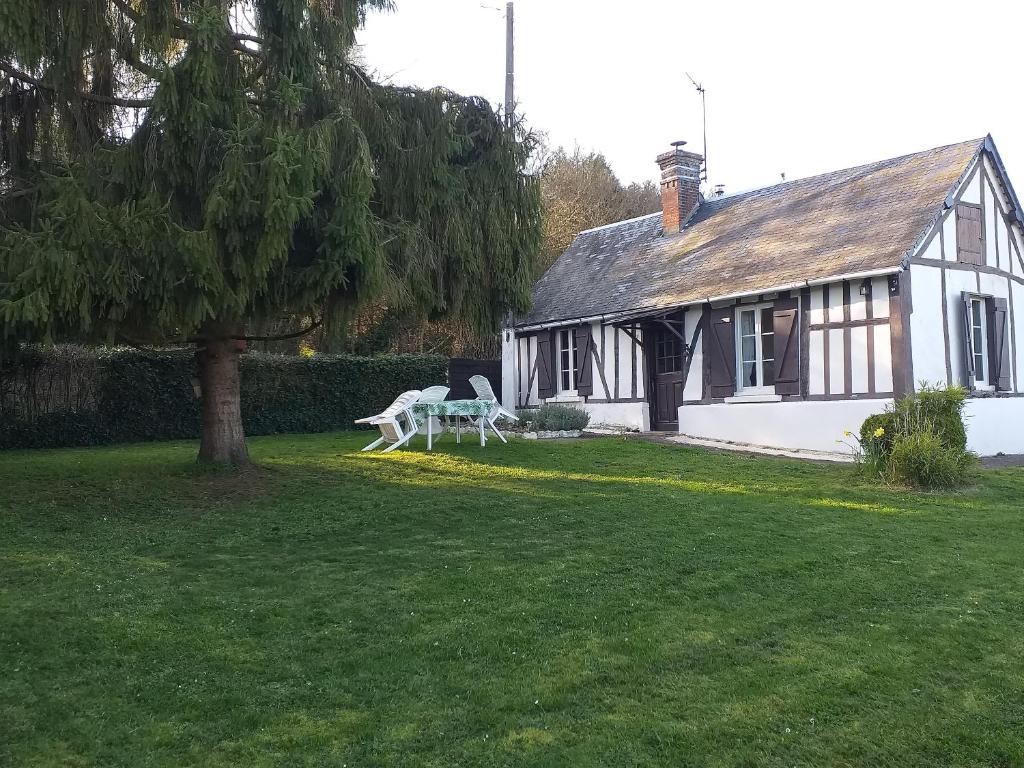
x,y
75,396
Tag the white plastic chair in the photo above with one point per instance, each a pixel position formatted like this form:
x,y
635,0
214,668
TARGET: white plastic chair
x,y
389,421
435,394
484,391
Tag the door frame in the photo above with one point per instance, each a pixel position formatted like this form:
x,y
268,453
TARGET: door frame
x,y
650,336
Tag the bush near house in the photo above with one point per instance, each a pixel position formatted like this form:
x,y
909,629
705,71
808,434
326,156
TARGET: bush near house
x,y
553,418
77,396
920,441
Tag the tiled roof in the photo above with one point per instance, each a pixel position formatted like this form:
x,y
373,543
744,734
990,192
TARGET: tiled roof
x,y
845,222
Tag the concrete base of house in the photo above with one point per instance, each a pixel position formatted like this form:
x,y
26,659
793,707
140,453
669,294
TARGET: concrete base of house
x,y
788,426
629,416
995,425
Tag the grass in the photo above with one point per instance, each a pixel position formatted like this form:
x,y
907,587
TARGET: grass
x,y
605,602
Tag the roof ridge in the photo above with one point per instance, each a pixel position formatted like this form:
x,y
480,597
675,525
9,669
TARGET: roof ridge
x,y
789,182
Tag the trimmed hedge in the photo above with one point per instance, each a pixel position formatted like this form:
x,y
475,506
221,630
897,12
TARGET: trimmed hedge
x,y
76,396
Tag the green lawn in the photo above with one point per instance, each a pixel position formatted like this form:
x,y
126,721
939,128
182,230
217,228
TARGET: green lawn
x,y
606,602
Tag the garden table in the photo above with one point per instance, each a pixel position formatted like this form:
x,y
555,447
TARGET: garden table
x,y
457,409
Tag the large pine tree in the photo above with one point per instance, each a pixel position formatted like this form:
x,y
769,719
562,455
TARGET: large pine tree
x,y
177,170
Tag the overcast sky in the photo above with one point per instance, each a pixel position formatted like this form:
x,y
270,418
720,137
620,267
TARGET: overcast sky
x,y
793,87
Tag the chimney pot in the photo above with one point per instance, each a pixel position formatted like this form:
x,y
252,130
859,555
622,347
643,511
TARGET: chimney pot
x,y
680,186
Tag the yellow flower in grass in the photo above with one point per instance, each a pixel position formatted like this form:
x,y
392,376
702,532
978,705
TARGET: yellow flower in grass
x,y
880,431
847,433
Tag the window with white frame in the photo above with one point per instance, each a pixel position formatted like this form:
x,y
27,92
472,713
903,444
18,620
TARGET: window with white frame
x,y
567,371
755,349
979,340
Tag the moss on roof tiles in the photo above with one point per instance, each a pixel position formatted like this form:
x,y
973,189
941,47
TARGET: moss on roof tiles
x,y
854,220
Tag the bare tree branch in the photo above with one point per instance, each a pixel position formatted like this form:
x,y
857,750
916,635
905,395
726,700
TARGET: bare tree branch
x,y
283,337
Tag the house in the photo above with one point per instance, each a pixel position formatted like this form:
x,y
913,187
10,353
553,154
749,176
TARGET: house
x,y
783,316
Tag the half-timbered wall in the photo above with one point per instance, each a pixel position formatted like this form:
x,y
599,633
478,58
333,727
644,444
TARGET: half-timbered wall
x,y
618,376
849,346
941,277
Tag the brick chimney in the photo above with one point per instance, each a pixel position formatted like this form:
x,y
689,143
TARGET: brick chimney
x,y
680,185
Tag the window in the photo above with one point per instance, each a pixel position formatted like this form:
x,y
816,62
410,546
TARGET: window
x,y
979,340
567,371
969,234
668,356
755,348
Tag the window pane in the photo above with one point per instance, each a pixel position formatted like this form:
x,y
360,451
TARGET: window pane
x,y
748,374
976,312
575,361
748,349
747,323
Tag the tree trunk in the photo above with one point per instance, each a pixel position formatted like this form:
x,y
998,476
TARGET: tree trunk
x,y
223,439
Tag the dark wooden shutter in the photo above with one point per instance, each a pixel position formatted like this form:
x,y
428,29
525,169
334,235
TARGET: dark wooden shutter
x,y
969,234
999,343
787,347
584,361
545,364
965,322
722,358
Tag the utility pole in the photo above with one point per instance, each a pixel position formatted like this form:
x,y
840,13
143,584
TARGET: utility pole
x,y
510,64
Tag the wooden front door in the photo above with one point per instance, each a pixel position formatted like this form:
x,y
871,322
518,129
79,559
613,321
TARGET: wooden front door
x,y
667,380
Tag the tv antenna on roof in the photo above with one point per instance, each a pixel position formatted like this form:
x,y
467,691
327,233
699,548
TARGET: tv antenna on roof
x,y
704,118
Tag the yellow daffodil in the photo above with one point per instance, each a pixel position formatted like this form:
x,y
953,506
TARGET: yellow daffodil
x,y
848,433
880,431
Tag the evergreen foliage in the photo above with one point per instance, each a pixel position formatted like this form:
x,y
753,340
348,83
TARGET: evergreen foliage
x,y
177,170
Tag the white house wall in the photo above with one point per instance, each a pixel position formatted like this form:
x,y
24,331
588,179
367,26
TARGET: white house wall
x,y
693,388
995,425
926,322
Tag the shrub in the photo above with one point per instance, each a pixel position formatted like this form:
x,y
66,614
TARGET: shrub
x,y
922,459
942,407
79,396
920,440
554,418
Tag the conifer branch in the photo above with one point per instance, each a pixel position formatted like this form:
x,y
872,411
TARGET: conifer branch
x,y
99,98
